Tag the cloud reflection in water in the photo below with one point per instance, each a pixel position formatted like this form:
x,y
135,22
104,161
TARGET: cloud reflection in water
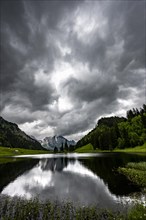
x,y
58,179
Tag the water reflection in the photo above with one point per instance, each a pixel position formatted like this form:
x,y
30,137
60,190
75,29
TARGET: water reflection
x,y
81,179
59,179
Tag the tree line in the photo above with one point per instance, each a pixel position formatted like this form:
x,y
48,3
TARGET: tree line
x,y
64,148
118,132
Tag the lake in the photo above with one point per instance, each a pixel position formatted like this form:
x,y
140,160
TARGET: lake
x,y
83,179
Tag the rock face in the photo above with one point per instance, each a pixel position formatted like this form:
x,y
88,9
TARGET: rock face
x,y
12,136
57,141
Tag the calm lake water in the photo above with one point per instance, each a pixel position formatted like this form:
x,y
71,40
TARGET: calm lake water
x,y
85,179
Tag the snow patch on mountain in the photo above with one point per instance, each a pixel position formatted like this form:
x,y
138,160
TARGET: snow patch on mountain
x,y
56,141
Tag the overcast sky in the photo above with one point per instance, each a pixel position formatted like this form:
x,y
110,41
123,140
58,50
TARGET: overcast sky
x,y
65,64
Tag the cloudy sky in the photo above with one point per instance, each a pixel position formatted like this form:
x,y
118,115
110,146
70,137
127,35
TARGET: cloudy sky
x,y
65,64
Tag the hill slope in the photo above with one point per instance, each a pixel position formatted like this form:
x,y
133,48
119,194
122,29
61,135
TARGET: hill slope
x,y
118,132
12,136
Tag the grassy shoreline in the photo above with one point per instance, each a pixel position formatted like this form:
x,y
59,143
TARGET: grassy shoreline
x,y
4,151
89,149
17,208
135,172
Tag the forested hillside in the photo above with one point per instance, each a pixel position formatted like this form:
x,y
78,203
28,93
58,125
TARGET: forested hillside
x,y
118,132
11,136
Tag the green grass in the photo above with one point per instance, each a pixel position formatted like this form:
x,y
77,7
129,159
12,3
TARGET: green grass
x,y
85,149
137,166
138,149
20,209
4,151
136,172
138,212
89,149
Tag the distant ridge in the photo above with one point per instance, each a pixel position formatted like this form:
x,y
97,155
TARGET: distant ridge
x,y
12,136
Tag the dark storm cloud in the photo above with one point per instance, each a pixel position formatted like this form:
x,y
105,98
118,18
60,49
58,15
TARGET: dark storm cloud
x,y
73,128
125,25
125,41
85,116
27,41
102,41
92,90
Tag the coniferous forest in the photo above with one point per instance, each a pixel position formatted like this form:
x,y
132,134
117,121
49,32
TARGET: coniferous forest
x,y
118,132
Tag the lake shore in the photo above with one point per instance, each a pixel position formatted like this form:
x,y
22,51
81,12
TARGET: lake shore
x,y
89,149
17,208
4,151
135,172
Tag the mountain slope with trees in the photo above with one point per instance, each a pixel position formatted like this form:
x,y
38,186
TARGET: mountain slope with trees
x,y
118,132
11,136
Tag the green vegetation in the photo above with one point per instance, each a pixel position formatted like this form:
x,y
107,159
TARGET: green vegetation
x,y
136,172
138,166
86,149
19,151
33,209
138,212
89,149
138,149
11,136
117,132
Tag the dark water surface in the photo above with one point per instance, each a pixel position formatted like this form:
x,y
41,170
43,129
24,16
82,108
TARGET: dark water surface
x,y
85,179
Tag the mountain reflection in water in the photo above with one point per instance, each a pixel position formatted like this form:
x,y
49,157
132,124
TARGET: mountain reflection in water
x,y
55,179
